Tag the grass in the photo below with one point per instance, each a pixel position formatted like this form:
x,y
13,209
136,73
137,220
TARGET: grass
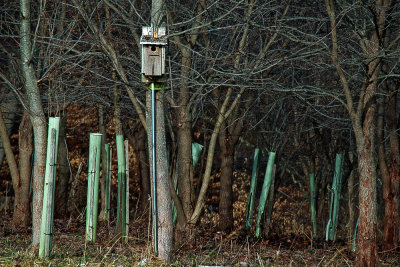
x,y
209,249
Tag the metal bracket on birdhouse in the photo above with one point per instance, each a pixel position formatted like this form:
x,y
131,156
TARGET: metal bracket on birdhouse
x,y
153,42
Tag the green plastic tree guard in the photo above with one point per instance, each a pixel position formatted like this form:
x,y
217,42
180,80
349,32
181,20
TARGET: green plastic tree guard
x,y
335,198
253,185
175,180
93,186
108,182
265,191
312,204
121,201
46,227
353,247
196,151
127,189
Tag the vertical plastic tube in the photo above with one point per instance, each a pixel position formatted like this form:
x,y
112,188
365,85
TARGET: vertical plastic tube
x,y
265,190
196,151
121,202
253,185
93,186
127,189
107,175
353,247
153,145
335,198
312,204
90,195
337,191
46,227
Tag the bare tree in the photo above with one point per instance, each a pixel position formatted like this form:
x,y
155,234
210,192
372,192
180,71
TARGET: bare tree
x,y
361,106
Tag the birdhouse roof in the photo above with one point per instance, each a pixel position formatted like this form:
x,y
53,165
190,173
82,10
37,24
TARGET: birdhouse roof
x,y
153,36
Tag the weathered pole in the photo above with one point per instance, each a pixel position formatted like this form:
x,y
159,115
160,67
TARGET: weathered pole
x,y
162,208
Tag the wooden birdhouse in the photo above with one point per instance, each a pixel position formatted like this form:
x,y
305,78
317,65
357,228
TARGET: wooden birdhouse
x,y
153,42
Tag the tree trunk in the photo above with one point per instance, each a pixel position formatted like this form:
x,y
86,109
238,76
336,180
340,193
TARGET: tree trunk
x,y
351,203
118,131
367,229
141,152
364,130
21,201
63,177
391,179
37,118
184,144
8,107
104,168
184,159
226,194
20,178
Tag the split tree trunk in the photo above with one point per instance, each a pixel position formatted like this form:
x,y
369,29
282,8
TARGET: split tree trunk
x,y
20,177
22,209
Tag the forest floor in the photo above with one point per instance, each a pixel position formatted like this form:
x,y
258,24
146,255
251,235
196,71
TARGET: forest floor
x,y
288,244
209,248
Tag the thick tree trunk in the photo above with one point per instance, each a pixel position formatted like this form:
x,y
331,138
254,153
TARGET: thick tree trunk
x,y
63,177
37,118
226,194
20,177
391,178
21,201
351,203
184,144
184,159
364,130
367,229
